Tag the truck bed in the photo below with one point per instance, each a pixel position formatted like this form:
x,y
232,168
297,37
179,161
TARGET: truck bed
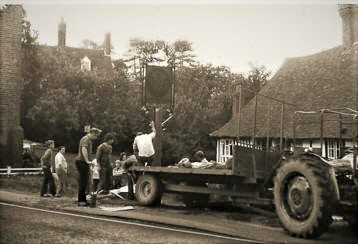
x,y
182,170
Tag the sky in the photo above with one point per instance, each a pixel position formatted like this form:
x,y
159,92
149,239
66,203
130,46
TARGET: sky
x,y
225,32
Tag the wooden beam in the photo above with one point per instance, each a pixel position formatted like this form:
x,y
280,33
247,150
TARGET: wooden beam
x,y
205,190
282,126
155,169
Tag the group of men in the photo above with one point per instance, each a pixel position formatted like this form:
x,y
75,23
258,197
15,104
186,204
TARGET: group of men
x,y
55,171
143,150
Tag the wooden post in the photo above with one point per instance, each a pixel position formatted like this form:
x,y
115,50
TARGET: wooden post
x,y
253,140
268,137
158,138
282,126
239,114
143,79
355,149
321,135
268,129
254,123
340,137
294,130
235,165
8,171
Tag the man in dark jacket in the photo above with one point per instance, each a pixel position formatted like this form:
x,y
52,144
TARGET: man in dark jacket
x,y
48,166
103,156
83,163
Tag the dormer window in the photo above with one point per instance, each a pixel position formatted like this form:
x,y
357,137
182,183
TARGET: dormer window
x,y
85,64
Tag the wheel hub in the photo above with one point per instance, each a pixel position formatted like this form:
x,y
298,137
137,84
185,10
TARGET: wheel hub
x,y
147,188
299,197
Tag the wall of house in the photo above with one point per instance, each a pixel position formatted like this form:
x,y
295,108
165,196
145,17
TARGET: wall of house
x,y
224,147
331,147
314,144
11,133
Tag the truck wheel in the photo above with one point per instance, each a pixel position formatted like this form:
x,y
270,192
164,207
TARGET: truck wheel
x,y
352,219
148,190
353,222
302,196
196,200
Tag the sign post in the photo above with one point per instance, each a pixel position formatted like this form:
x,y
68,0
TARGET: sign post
x,y
158,93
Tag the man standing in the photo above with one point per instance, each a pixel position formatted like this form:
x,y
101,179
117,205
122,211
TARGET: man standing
x,y
47,164
143,146
83,163
61,171
103,156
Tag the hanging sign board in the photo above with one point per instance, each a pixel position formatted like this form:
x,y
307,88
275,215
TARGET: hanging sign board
x,y
158,85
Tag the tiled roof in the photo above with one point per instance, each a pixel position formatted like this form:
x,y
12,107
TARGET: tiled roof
x,y
99,61
327,79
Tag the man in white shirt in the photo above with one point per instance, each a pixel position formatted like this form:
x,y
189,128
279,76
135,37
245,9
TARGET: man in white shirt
x,y
61,171
143,146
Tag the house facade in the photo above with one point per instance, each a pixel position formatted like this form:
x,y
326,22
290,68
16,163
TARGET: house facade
x,y
324,80
85,59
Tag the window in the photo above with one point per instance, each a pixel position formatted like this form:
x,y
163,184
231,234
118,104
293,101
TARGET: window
x,y
85,64
333,149
225,149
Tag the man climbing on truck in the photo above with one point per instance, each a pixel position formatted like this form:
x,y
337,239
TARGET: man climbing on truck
x,y
143,146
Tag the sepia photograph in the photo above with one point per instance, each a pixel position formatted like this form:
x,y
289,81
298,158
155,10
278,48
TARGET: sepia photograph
x,y
202,121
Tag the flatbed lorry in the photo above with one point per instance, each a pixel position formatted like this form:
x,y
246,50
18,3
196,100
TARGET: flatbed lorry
x,y
305,188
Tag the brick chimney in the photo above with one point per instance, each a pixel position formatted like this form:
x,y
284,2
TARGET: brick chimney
x,y
61,34
11,85
107,44
349,15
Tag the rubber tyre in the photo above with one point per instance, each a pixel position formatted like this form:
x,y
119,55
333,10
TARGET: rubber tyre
x,y
196,200
148,190
352,219
353,222
318,217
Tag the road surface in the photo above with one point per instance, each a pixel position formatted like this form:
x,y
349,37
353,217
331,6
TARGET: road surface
x,y
29,225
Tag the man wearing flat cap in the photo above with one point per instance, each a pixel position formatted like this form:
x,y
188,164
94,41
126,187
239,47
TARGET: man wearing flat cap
x,y
47,164
83,162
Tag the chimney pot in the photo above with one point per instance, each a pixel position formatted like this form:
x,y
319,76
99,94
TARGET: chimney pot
x,y
349,15
107,44
61,34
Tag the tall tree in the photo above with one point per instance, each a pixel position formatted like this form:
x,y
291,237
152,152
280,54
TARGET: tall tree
x,y
140,52
257,77
203,104
31,70
254,80
89,44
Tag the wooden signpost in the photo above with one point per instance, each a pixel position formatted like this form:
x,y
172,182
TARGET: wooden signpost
x,y
158,94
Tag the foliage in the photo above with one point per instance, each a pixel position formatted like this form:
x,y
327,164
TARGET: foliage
x,y
204,97
59,99
120,67
89,44
31,70
71,98
203,104
141,52
257,77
